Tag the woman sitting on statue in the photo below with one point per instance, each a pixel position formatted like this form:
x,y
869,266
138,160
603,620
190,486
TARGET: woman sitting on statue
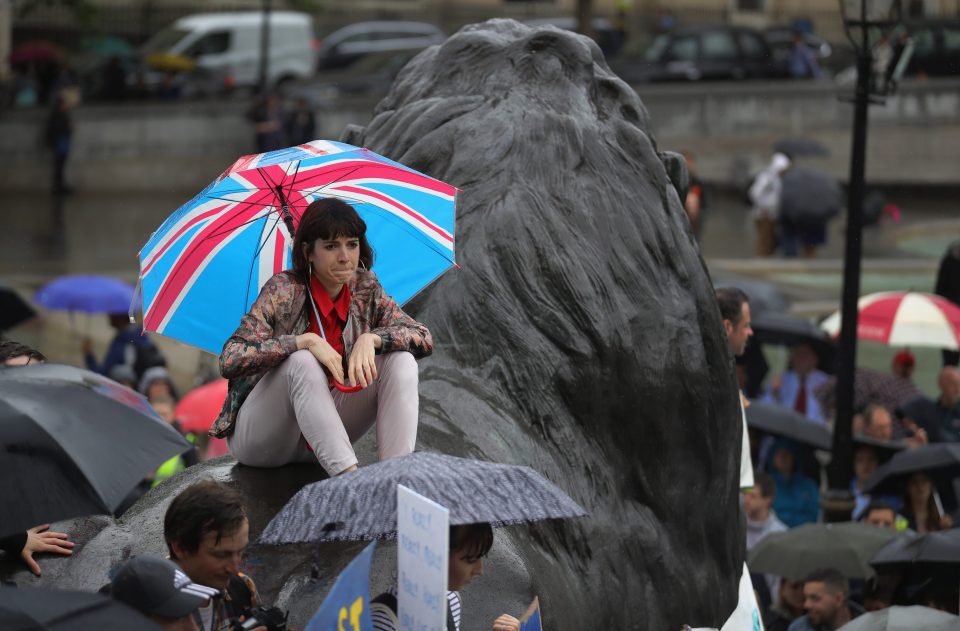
x,y
323,354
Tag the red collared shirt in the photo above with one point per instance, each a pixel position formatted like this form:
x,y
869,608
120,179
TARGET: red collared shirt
x,y
333,313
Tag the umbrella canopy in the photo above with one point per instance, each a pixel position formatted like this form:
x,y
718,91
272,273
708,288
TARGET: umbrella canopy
x,y
108,46
904,619
885,449
214,254
942,547
36,609
363,504
763,296
771,327
91,294
74,443
809,195
13,309
869,386
796,147
796,553
35,52
904,318
199,408
781,421
940,460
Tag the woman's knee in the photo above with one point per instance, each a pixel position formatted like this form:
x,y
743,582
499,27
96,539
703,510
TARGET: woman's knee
x,y
401,367
303,363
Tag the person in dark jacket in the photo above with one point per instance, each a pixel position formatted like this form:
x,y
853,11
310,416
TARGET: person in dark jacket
x,y
300,123
58,134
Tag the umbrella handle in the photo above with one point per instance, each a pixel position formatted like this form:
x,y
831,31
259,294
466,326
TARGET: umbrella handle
x,y
939,503
347,389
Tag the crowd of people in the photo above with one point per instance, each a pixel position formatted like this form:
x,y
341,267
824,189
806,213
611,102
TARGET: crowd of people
x,y
784,491
323,355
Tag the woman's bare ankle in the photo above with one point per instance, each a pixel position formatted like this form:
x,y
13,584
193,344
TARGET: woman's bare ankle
x,y
349,469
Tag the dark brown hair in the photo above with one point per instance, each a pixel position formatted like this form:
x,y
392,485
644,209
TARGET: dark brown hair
x,y
472,541
10,349
327,219
731,301
206,506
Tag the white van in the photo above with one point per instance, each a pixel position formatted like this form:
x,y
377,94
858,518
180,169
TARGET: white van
x,y
228,44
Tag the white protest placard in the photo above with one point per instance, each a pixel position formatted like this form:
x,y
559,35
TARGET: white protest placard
x,y
423,533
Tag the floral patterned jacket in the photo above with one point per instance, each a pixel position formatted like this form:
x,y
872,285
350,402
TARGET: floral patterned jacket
x,y
267,335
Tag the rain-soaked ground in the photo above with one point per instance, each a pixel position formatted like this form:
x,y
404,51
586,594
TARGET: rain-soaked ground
x,y
44,237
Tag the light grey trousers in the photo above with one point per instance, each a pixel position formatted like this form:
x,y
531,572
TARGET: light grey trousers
x,y
293,403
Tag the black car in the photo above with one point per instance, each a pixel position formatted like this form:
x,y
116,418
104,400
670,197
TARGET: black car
x,y
704,53
936,47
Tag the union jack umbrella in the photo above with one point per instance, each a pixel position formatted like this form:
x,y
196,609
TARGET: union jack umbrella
x,y
203,268
904,318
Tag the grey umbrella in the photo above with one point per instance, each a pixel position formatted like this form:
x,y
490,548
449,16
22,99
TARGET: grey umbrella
x,y
363,504
904,619
794,554
809,196
780,421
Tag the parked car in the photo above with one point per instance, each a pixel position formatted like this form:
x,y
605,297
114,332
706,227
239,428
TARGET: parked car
x,y
936,51
369,76
228,44
607,37
348,44
704,53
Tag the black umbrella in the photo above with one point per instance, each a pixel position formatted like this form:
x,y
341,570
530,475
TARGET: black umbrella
x,y
809,196
781,421
35,609
74,443
885,449
795,147
763,296
942,547
363,505
13,309
771,327
941,461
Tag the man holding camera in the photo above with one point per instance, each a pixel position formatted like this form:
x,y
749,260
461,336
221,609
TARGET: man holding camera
x,y
206,531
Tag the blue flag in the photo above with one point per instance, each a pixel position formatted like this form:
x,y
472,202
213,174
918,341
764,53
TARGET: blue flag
x,y
531,619
347,606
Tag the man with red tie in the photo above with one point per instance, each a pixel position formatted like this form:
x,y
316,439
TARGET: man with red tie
x,y
794,389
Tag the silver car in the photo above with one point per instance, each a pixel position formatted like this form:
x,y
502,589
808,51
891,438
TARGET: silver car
x,y
348,44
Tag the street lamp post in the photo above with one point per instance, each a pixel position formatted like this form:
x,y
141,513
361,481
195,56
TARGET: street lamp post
x,y
864,21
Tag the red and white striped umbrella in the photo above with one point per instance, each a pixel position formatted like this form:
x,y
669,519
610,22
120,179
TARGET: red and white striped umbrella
x,y
904,318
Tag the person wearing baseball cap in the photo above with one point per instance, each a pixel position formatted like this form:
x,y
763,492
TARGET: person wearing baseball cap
x,y
903,364
160,590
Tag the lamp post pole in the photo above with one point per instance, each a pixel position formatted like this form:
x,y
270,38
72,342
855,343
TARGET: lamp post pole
x,y
841,466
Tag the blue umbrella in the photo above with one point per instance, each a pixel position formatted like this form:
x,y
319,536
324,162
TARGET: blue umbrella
x,y
90,294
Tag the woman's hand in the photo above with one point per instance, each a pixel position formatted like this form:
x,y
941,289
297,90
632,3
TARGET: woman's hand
x,y
328,358
362,368
39,539
506,623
